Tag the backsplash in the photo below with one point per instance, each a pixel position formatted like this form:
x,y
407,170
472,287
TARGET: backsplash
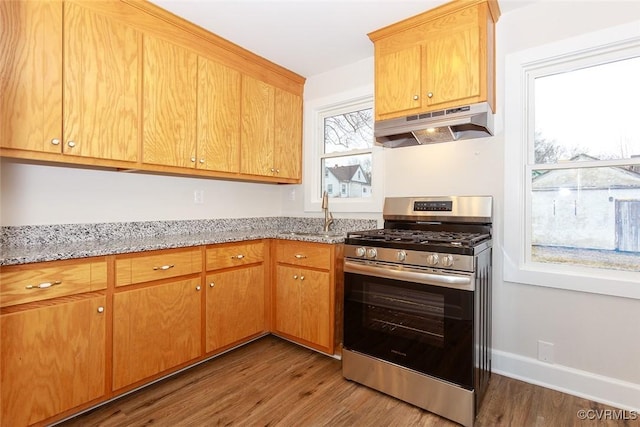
x,y
30,235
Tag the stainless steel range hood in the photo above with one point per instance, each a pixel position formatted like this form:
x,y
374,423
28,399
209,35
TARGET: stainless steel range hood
x,y
451,124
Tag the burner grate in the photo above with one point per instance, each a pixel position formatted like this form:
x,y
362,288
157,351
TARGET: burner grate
x,y
421,237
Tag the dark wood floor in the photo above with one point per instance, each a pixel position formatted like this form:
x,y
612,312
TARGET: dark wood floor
x,y
272,382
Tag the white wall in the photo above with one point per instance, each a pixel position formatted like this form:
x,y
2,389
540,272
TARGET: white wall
x,y
37,195
596,350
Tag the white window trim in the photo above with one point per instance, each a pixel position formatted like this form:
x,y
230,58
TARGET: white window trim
x,y
314,110
520,67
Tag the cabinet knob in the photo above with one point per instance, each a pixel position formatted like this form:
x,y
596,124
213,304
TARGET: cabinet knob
x,y
100,309
277,170
273,169
301,277
295,276
71,144
55,141
416,97
198,288
201,161
193,160
430,95
211,285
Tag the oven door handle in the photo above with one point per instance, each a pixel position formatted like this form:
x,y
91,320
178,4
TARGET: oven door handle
x,y
409,274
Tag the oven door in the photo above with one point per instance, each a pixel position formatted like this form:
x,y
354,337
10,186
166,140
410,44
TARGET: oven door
x,y
416,318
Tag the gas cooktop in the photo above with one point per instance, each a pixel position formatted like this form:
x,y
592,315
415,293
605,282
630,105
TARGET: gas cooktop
x,y
419,240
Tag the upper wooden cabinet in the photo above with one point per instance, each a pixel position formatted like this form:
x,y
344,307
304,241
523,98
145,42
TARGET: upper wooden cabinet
x,y
124,84
101,92
169,107
99,116
31,76
439,59
271,138
219,91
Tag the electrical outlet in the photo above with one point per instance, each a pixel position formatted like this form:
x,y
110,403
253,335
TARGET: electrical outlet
x,y
198,197
545,351
292,194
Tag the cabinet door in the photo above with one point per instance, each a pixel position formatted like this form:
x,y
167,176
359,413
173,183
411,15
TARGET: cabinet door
x,y
101,95
452,67
169,104
155,329
219,91
235,306
52,359
287,134
256,144
31,75
397,81
315,306
287,300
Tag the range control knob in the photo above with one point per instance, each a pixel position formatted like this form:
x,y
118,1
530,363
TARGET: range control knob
x,y
360,251
432,259
372,253
401,255
447,261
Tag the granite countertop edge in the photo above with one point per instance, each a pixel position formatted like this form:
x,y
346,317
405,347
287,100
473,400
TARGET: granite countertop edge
x,y
92,248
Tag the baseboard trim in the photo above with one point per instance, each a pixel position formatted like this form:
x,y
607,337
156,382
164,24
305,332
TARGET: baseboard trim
x,y
599,388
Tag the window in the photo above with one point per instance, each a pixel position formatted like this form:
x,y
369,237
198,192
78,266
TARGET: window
x,y
347,149
341,157
573,215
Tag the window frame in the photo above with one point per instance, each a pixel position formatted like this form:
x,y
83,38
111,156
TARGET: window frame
x,y
316,111
521,68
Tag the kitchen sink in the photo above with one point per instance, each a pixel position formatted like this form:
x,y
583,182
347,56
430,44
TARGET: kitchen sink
x,y
328,234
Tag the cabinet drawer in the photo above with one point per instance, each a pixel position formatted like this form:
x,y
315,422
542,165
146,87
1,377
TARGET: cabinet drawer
x,y
36,282
315,255
156,266
231,255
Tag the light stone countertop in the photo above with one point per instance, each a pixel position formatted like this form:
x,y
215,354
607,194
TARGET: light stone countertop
x,y
23,246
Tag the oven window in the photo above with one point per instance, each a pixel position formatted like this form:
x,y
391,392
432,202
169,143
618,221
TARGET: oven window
x,y
426,328
410,314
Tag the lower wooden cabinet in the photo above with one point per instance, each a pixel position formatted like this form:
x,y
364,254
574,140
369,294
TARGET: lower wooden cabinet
x,y
155,328
52,358
304,293
78,332
235,306
302,305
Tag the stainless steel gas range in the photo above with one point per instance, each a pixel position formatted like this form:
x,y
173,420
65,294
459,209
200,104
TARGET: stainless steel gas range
x,y
417,304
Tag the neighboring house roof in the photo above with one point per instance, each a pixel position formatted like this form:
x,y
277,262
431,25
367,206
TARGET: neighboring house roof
x,y
346,173
588,178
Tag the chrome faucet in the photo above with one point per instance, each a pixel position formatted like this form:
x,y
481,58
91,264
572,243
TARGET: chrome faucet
x,y
328,216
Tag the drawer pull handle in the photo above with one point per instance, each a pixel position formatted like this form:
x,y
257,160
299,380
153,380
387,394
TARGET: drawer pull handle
x,y
164,267
44,285
240,256
298,256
